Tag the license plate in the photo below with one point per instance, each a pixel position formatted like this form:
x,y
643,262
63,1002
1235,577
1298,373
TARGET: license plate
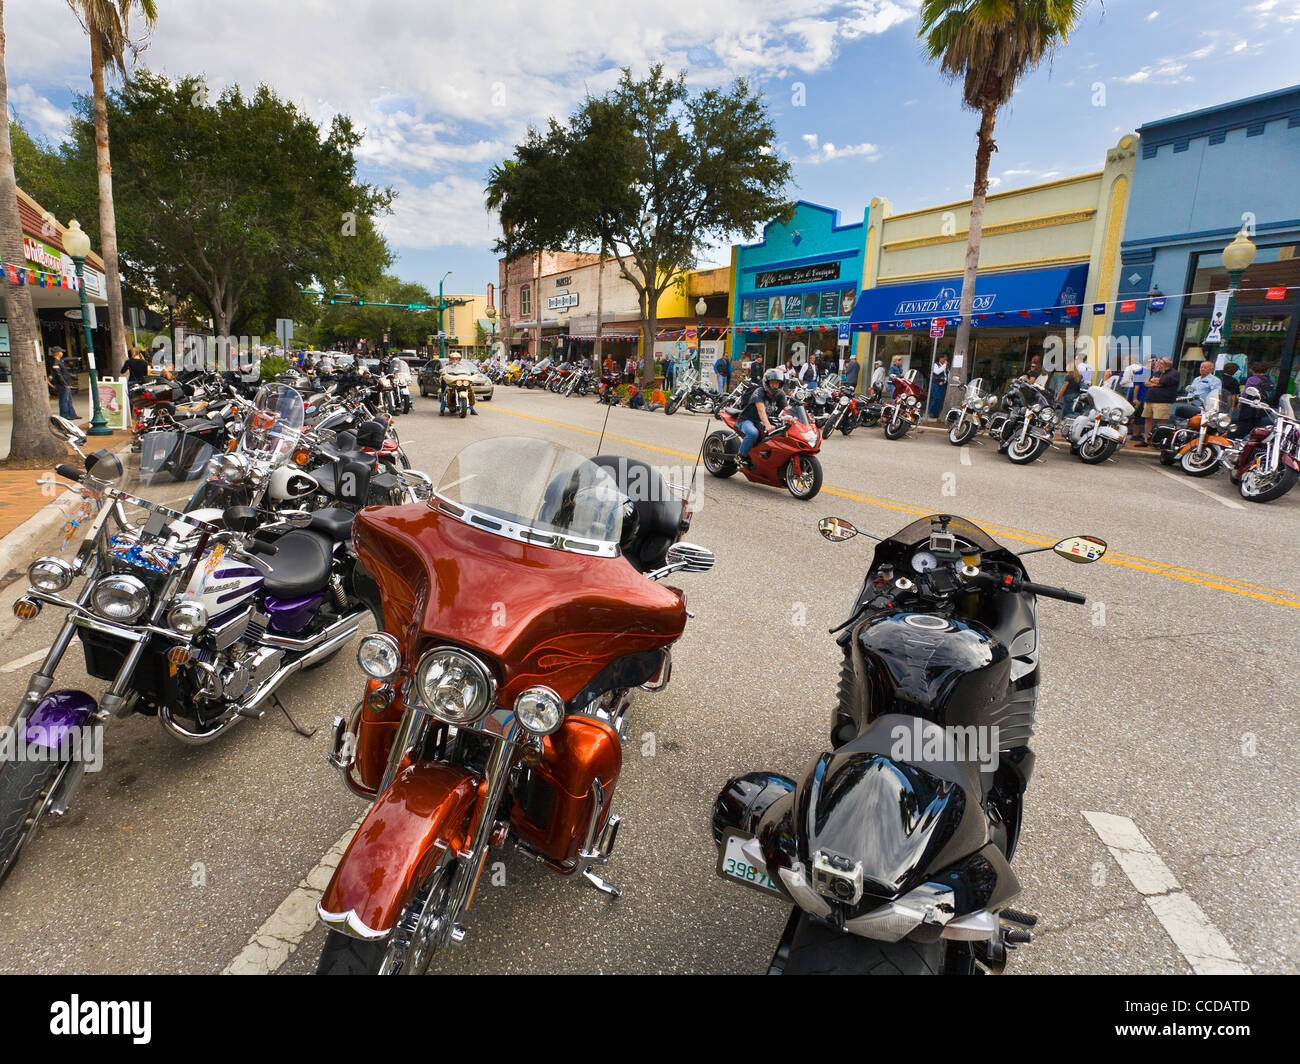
x,y
735,866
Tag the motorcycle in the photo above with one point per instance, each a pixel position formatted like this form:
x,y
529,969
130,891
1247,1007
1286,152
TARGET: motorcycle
x,y
1100,424
1030,424
579,382
895,848
903,410
460,392
966,421
472,733
538,374
197,623
1202,453
1175,434
1266,464
695,397
785,456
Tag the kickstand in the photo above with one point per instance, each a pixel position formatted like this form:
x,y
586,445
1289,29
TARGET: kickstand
x,y
304,732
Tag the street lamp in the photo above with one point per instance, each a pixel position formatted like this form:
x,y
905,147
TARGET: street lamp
x,y
442,332
561,323
77,244
701,308
491,313
1237,257
169,298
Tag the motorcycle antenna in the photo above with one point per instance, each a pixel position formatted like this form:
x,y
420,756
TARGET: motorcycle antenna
x,y
601,441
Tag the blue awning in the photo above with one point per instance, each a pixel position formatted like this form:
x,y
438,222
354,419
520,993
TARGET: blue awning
x,y
1021,297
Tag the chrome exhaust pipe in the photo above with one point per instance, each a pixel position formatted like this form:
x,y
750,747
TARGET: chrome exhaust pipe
x,y
333,638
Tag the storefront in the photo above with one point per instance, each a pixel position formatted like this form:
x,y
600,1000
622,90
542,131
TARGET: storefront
x,y
1201,178
50,277
796,287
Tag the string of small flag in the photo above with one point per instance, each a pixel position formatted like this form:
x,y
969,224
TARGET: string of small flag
x,y
20,275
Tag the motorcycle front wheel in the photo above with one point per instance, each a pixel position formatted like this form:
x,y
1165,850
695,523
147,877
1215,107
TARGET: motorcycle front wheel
x,y
1096,450
25,789
820,950
1201,461
674,404
961,433
896,430
411,946
1265,487
808,483
1027,450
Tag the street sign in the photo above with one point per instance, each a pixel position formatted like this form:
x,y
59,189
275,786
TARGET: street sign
x,y
844,336
937,326
418,306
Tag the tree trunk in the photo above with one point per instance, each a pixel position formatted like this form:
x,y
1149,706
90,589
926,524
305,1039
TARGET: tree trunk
x,y
600,302
648,335
957,370
30,437
107,218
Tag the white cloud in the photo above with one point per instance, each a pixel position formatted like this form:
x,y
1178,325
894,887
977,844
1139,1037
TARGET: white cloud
x,y
827,152
38,114
1166,70
1153,16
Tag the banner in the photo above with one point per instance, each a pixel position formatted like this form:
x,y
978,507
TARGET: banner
x,y
1218,318
113,403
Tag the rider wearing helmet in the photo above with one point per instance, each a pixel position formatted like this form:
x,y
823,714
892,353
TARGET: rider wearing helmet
x,y
761,405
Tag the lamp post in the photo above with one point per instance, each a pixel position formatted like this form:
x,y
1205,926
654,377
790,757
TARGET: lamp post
x,y
1237,257
561,323
169,298
442,332
701,308
77,244
491,313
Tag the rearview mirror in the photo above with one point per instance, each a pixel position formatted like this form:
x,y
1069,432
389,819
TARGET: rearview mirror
x,y
692,557
836,529
1081,548
67,431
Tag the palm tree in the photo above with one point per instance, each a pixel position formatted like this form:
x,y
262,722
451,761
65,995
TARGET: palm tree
x,y
989,45
497,196
30,438
108,24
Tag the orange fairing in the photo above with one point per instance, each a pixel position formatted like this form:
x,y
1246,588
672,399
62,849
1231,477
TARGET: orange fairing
x,y
397,843
543,616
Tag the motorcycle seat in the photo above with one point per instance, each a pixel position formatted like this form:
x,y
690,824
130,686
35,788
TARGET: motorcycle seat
x,y
657,516
334,522
296,564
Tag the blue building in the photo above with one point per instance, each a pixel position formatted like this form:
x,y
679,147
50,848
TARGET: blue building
x,y
793,289
1199,179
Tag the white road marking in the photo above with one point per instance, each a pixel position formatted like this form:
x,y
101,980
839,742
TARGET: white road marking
x,y
1186,482
30,659
1199,941
279,936
965,456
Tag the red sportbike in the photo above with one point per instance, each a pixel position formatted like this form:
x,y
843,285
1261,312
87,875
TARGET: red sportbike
x,y
786,455
520,608
903,410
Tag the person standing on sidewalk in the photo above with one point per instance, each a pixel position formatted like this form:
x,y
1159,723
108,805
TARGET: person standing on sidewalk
x,y
1160,396
938,386
61,383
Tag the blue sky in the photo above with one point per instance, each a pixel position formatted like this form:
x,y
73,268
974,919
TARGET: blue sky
x,y
443,91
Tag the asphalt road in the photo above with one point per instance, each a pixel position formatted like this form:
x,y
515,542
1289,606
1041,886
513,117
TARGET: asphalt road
x,y
1169,700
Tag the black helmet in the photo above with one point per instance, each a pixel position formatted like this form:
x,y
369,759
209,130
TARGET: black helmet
x,y
774,375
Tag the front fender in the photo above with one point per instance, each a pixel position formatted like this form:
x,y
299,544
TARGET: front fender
x,y
57,715
1219,441
429,808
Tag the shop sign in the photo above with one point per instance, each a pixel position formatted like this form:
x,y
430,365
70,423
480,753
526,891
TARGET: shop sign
x,y
946,301
563,301
822,271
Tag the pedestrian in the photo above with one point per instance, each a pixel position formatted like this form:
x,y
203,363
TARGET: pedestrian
x,y
61,383
1160,396
1085,371
938,386
137,368
896,366
1230,384
851,372
670,373
1206,384
1259,378
722,368
756,369
1067,395
808,375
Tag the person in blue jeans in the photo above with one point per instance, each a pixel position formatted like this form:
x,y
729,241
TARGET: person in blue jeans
x,y
61,382
761,405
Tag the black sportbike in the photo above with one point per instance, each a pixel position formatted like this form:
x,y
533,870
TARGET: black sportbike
x,y
895,847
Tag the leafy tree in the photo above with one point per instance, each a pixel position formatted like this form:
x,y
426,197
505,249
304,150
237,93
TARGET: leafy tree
x,y
108,24
652,175
346,324
989,45
30,437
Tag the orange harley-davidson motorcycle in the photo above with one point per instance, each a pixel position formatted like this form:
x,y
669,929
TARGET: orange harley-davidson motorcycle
x,y
521,606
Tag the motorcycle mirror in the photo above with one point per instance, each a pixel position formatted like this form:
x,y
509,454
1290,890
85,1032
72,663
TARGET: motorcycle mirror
x,y
836,529
67,431
1081,549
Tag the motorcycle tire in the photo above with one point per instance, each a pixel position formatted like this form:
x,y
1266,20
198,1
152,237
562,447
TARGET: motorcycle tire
x,y
1096,451
962,433
464,409
530,383
896,430
25,787
674,404
812,478
817,949
1276,486
716,459
848,425
1204,465
1026,451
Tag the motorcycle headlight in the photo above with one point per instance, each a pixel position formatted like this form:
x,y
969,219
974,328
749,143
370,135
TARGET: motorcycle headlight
x,y
50,575
1037,408
540,710
1222,421
188,618
379,656
120,598
232,467
454,686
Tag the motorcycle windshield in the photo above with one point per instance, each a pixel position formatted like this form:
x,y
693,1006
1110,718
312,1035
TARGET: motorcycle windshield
x,y
919,532
973,388
1287,408
274,425
534,491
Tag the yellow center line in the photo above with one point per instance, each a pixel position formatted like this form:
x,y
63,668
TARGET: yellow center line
x,y
1128,561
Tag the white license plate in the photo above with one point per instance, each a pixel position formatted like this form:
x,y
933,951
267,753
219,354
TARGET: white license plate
x,y
735,866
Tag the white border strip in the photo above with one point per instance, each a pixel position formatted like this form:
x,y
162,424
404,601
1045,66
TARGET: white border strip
x,y
1198,940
